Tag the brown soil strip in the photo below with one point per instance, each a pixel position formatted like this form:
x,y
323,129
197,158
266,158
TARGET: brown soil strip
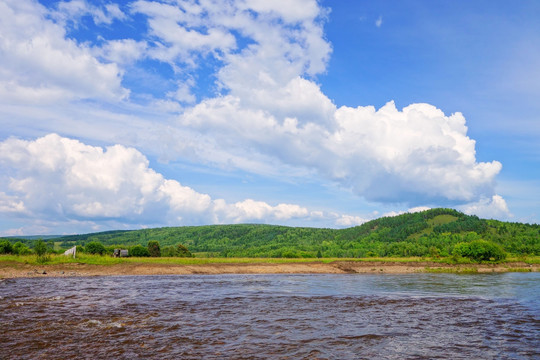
x,y
16,270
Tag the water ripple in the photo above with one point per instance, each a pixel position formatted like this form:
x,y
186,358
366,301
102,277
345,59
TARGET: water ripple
x,y
425,316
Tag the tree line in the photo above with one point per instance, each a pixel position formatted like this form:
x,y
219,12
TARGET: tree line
x,y
435,233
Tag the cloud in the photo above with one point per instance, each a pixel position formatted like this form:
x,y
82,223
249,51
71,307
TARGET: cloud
x,y
74,10
175,34
183,92
38,64
258,36
265,113
494,207
349,221
122,52
11,204
273,113
256,210
409,211
378,22
63,180
416,155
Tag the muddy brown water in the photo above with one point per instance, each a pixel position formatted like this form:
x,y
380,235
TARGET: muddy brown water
x,y
418,316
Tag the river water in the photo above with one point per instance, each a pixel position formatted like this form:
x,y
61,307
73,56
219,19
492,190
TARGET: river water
x,y
417,316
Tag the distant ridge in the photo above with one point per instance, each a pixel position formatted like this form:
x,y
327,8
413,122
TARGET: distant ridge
x,y
428,233
32,237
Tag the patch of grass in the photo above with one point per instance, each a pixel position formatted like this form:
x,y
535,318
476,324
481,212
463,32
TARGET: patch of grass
x,y
109,260
524,258
437,220
442,219
531,260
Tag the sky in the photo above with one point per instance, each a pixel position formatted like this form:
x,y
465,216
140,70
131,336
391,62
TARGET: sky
x,y
137,114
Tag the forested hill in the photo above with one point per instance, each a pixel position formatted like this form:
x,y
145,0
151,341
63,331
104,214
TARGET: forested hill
x,y
429,233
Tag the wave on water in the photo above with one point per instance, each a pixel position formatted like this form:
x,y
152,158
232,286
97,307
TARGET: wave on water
x,y
421,316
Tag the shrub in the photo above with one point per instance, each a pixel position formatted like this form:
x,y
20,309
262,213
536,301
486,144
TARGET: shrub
x,y
40,248
289,253
182,251
94,247
480,250
153,249
139,251
21,249
461,249
176,251
168,251
6,247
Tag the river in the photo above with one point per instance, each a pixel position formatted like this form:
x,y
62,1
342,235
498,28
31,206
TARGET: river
x,y
409,316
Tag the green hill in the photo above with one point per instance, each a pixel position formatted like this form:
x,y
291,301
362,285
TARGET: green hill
x,y
428,233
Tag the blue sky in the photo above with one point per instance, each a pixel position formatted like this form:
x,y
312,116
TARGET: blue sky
x,y
132,114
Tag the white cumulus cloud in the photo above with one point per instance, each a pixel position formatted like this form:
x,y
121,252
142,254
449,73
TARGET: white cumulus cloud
x,y
415,155
38,64
73,10
494,207
265,114
62,179
273,112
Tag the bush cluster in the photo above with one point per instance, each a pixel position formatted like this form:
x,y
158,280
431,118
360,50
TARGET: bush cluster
x,y
479,250
139,251
6,247
153,249
176,251
94,247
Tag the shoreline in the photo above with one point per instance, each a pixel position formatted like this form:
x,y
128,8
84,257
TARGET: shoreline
x,y
10,270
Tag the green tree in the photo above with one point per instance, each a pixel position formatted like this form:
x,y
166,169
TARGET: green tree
x,y
139,251
479,250
6,247
434,252
94,247
168,251
154,249
21,249
40,248
182,251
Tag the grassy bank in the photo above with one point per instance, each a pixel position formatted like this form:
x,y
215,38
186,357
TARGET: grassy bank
x,y
108,260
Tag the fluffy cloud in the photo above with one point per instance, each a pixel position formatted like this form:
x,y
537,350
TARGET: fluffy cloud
x,y
349,220
61,179
489,208
123,52
39,64
410,211
265,114
416,155
255,44
72,11
273,113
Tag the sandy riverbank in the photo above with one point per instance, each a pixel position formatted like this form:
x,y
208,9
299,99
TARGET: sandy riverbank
x,y
16,270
